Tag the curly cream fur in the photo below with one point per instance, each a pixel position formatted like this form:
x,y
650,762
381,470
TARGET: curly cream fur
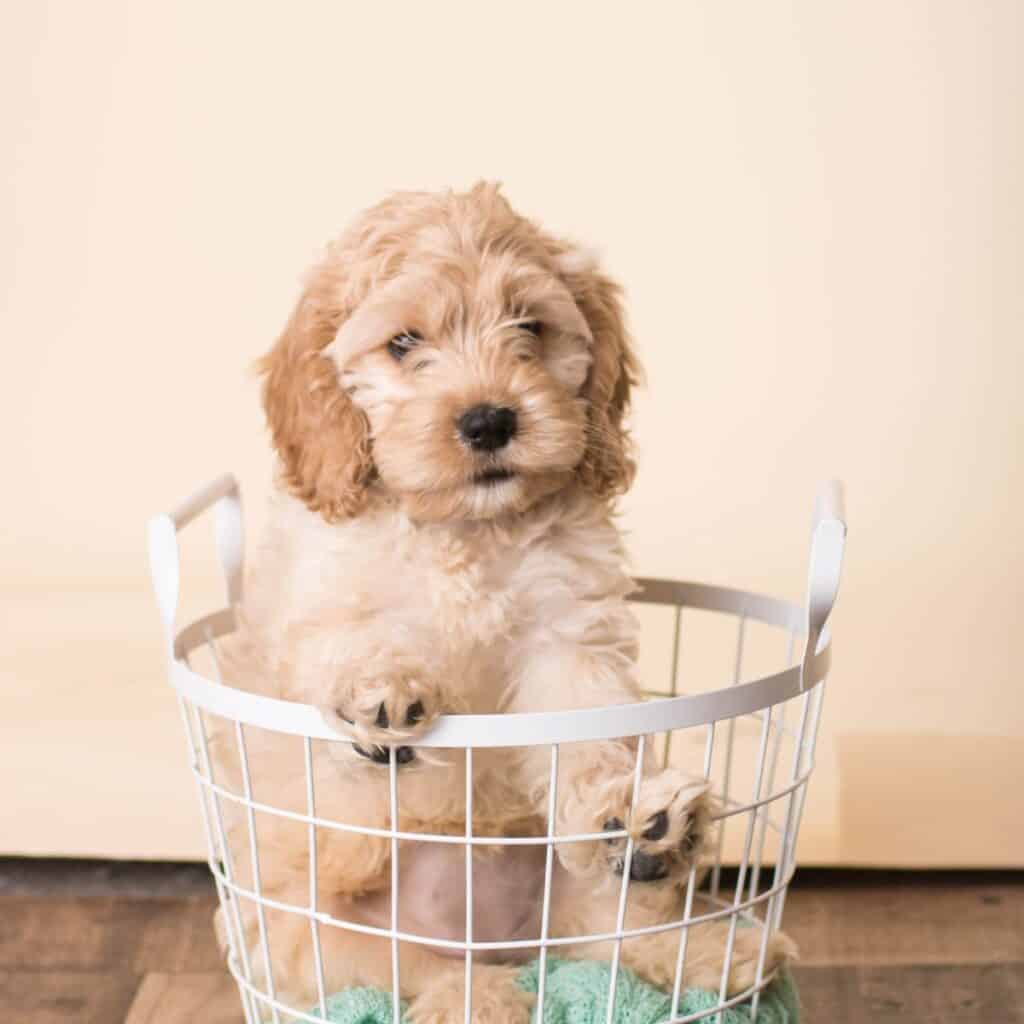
x,y
393,578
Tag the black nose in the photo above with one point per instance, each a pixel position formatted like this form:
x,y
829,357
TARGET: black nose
x,y
487,427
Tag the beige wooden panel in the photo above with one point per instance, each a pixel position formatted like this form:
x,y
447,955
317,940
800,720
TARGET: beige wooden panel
x,y
821,254
944,801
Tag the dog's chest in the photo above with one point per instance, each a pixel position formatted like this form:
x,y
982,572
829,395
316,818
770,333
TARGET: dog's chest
x,y
473,597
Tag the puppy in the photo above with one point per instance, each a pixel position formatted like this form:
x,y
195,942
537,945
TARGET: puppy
x,y
447,405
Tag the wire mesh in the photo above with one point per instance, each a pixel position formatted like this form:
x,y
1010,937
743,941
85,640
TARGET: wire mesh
x,y
289,946
782,760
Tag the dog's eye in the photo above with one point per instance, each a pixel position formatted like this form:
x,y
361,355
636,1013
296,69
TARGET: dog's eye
x,y
401,344
531,327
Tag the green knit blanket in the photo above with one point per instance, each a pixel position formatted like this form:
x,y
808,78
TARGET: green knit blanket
x,y
576,992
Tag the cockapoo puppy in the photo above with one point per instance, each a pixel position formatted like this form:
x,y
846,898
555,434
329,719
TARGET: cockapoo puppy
x,y
447,405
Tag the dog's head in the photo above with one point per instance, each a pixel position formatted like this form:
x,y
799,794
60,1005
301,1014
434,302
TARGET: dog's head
x,y
454,355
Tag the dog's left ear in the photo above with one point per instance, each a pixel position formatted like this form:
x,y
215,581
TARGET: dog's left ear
x,y
322,439
607,467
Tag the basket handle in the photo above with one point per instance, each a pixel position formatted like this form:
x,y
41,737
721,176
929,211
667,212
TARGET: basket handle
x,y
828,541
164,561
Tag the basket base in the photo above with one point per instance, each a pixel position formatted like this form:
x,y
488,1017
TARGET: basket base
x,y
583,985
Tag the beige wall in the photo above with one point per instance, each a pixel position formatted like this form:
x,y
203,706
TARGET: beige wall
x,y
816,209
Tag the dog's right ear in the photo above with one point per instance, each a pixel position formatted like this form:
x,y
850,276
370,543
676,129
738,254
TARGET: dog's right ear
x,y
607,467
322,439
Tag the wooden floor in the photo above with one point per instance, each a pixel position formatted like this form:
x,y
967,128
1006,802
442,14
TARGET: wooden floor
x,y
99,943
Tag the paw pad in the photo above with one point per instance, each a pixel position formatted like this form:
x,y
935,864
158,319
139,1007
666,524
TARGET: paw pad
x,y
653,859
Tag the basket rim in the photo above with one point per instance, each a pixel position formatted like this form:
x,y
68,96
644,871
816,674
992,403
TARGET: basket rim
x,y
523,729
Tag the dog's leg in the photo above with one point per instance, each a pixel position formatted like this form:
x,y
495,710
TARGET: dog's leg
x,y
587,907
496,997
348,959
596,780
669,823
654,957
347,790
380,692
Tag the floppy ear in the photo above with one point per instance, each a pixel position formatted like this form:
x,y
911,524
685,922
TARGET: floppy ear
x,y
322,439
607,467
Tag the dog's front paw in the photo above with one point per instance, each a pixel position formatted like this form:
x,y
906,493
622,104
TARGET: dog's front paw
x,y
669,825
383,712
496,998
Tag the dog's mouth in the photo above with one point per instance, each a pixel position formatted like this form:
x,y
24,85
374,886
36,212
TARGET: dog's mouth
x,y
489,477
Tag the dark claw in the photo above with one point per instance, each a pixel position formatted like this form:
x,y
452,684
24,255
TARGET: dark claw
x,y
646,867
612,825
382,721
415,713
382,755
658,826
378,755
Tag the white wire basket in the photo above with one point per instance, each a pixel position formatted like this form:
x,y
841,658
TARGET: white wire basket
x,y
754,738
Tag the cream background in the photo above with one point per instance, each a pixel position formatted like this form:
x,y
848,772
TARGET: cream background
x,y
816,209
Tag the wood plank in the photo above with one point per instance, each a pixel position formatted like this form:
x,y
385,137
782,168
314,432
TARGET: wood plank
x,y
210,997
950,994
108,934
65,997
169,936
897,918
70,935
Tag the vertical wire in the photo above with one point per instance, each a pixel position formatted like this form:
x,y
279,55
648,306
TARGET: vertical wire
x,y
773,910
745,860
396,978
226,902
468,1011
781,863
229,901
780,731
798,820
691,885
684,934
716,871
771,914
227,854
314,879
620,919
254,856
549,858
674,686
766,930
